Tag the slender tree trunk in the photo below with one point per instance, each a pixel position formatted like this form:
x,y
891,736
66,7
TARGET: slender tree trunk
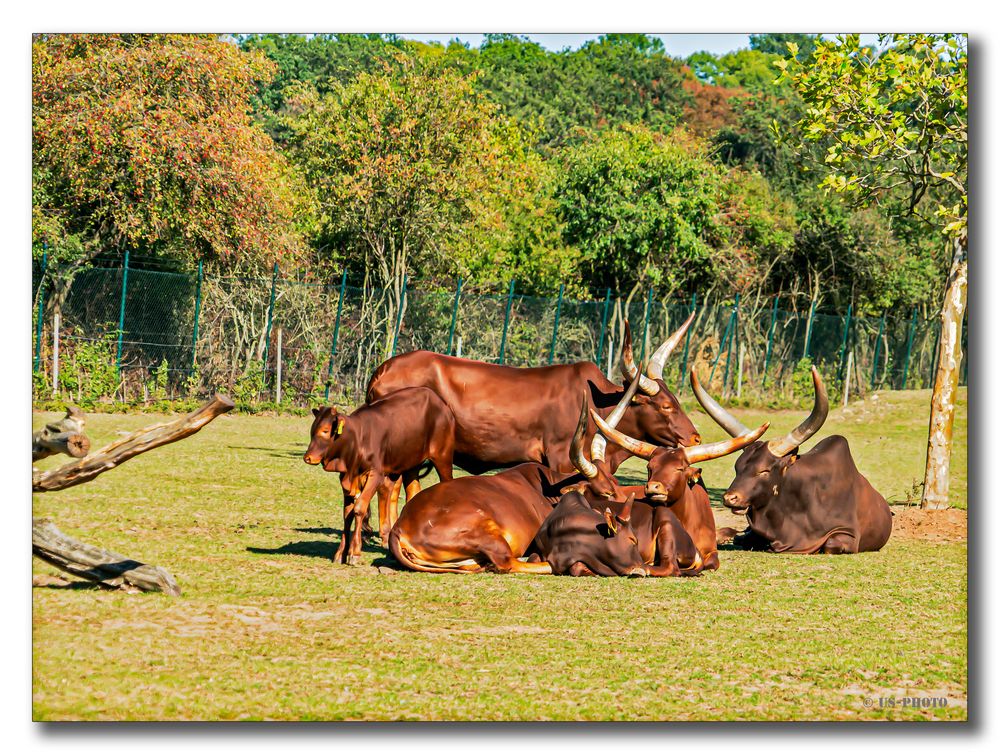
x,y
937,473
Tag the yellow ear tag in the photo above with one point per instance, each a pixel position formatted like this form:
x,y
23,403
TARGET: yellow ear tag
x,y
340,427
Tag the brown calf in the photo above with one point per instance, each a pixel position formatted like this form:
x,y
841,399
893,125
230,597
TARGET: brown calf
x,y
383,442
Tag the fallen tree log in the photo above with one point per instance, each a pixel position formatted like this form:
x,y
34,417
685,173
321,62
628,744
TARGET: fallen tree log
x,y
120,451
63,437
108,568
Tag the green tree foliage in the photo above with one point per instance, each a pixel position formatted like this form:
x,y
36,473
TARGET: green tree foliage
x,y
414,172
777,44
147,142
647,208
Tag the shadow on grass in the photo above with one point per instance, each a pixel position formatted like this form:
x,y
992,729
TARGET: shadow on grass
x,y
269,451
319,549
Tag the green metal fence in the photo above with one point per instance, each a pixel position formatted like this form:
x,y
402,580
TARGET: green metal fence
x,y
167,334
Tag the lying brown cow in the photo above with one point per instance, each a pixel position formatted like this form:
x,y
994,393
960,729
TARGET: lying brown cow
x,y
509,415
816,502
389,439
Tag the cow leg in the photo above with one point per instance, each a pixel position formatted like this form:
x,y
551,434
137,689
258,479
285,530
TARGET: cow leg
x,y
361,505
388,495
502,559
338,557
839,544
411,482
579,569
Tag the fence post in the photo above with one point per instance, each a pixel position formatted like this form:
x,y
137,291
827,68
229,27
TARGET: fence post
x,y
847,380
909,346
604,326
270,315
809,325
611,356
734,339
555,328
454,316
770,335
506,321
878,345
121,319
687,340
399,318
843,343
336,333
724,344
645,326
277,382
197,312
739,374
55,354
41,311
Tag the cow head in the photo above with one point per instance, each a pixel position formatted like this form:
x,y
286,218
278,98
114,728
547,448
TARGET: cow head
x,y
669,469
657,412
615,546
326,422
761,468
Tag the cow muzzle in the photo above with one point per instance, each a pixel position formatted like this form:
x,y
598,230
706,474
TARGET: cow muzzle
x,y
736,502
309,459
656,491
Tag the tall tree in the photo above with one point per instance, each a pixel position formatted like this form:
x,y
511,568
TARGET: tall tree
x,y
145,141
897,120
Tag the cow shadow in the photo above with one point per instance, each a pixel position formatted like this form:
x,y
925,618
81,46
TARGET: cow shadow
x,y
277,453
320,548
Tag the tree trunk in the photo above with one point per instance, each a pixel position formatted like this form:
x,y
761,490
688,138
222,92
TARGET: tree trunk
x,y
125,448
937,472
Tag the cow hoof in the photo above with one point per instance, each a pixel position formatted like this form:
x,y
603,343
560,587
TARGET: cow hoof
x,y
352,560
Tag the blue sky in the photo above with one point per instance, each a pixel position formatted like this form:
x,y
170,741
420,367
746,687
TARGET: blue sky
x,y
677,45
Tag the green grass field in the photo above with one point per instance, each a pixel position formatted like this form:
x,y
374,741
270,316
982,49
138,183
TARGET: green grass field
x,y
269,628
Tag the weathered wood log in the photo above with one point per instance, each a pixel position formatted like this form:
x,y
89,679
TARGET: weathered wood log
x,y
63,437
131,445
96,564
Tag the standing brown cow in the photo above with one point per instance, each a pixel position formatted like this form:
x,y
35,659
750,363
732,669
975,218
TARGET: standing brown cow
x,y
390,440
510,415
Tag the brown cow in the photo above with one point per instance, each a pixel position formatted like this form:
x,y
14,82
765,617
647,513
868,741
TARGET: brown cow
x,y
509,415
390,440
816,502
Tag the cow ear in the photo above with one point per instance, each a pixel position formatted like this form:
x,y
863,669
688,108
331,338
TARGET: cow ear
x,y
693,474
792,459
609,519
315,412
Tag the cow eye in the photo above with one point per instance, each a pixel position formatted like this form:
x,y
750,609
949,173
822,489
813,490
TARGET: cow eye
x,y
764,471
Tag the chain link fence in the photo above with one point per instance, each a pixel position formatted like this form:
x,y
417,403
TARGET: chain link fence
x,y
134,333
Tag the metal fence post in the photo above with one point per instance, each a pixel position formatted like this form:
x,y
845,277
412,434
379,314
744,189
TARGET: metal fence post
x,y
121,319
770,335
645,326
454,316
687,342
277,377
809,325
843,343
399,318
270,315
336,333
735,339
878,345
506,322
555,327
604,326
909,347
55,354
197,312
41,311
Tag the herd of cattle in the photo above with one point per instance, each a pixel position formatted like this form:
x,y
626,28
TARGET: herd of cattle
x,y
557,509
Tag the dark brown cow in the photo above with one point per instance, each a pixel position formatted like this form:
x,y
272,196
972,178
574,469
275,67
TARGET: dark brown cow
x,y
385,440
816,502
509,415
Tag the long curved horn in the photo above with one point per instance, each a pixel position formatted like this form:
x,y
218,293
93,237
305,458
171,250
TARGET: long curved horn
x,y
724,419
576,455
628,368
809,427
630,444
599,443
706,451
654,370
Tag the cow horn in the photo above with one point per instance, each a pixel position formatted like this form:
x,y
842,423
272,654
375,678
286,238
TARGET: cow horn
x,y
706,451
630,444
627,509
654,370
599,444
809,427
628,368
724,419
576,455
